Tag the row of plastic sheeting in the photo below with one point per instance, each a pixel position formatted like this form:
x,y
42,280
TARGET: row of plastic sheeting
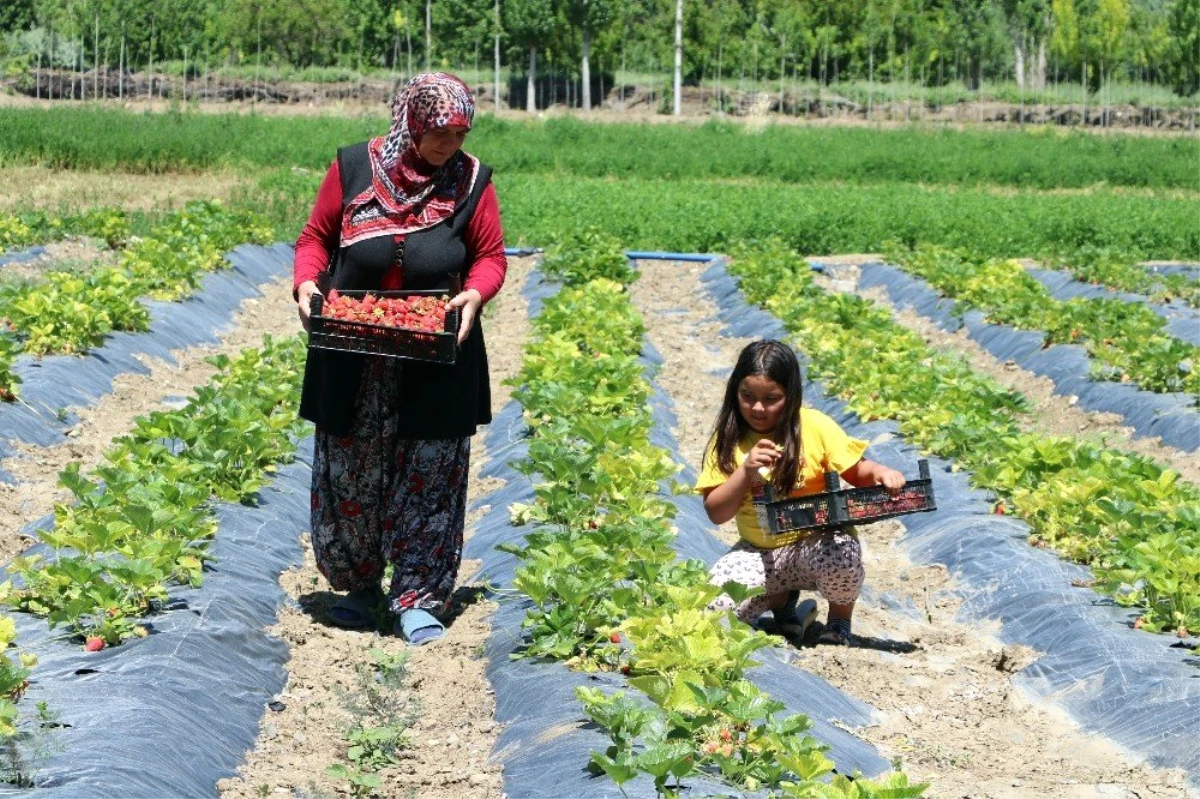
x,y
21,256
545,742
1172,417
1136,688
174,712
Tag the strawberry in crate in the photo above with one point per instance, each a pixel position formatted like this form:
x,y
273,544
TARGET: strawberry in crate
x,y
423,313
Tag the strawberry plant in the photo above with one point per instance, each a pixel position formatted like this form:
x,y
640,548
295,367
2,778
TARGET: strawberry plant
x,y
1106,267
586,254
8,379
14,233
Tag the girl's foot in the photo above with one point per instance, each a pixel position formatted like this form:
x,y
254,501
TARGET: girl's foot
x,y
837,632
795,616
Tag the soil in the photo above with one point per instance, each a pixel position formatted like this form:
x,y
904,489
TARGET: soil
x,y
948,710
38,188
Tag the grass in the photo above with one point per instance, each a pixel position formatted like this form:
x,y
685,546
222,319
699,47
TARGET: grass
x,y
83,138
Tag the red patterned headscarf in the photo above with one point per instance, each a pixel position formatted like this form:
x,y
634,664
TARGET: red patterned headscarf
x,y
408,194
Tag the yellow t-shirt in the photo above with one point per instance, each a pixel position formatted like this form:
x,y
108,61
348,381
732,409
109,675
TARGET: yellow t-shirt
x,y
826,448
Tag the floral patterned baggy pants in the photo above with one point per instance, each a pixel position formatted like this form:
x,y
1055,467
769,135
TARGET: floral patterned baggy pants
x,y
378,499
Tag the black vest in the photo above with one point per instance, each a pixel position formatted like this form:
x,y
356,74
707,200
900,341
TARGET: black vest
x,y
436,400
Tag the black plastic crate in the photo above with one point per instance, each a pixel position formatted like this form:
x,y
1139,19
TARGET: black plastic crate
x,y
840,507
367,338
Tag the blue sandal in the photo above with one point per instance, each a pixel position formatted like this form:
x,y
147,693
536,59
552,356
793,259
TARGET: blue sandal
x,y
418,627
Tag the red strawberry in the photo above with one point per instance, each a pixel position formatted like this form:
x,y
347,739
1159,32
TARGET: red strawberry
x,y
94,643
615,638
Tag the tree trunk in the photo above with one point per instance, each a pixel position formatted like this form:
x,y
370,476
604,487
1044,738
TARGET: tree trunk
x,y
96,62
496,63
782,76
531,82
720,89
428,35
1019,59
1038,77
870,79
678,83
585,70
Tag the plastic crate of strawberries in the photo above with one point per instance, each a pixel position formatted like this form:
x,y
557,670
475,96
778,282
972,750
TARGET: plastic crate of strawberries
x,y
397,324
836,508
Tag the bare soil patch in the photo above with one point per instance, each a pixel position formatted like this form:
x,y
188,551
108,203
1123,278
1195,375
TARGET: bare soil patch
x,y
948,708
68,255
452,739
38,188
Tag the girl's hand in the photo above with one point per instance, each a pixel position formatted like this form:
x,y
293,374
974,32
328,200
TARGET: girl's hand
x,y
890,479
304,296
762,455
469,301
865,474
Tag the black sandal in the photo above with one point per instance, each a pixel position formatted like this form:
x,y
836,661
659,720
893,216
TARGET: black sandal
x,y
356,609
794,617
836,633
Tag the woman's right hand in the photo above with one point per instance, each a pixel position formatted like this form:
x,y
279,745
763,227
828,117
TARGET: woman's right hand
x,y
763,454
304,295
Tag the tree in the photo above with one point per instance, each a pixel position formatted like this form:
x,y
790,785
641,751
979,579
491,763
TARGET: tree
x,y
16,15
1107,36
1184,26
1028,23
529,23
589,16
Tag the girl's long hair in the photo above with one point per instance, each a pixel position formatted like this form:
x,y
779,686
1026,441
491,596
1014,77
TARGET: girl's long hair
x,y
775,361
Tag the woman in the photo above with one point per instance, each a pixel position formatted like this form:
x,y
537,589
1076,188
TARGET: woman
x,y
392,447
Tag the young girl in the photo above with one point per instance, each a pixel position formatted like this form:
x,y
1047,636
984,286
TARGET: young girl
x,y
761,429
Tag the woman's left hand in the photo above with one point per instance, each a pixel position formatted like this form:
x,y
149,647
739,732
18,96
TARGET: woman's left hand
x,y
469,301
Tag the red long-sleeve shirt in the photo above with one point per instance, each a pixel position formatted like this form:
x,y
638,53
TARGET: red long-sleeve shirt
x,y
322,235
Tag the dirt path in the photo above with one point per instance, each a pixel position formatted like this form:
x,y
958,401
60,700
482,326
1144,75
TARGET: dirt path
x,y
36,469
948,709
452,739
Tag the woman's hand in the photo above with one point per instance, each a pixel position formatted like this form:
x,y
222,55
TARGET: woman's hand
x,y
303,301
762,455
469,301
